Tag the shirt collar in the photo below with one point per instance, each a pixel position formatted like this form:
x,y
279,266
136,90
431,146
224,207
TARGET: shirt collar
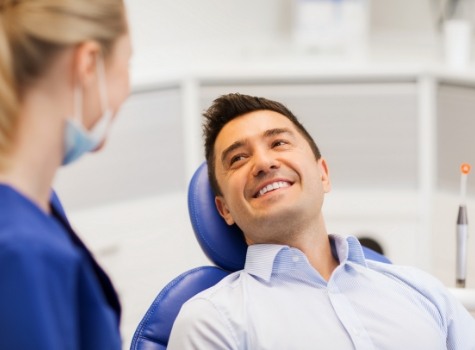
x,y
261,258
347,249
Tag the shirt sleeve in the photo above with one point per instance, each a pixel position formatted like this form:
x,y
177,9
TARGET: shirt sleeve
x,y
460,325
457,322
199,325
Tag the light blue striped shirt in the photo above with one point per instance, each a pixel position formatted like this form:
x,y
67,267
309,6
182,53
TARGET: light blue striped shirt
x,y
279,301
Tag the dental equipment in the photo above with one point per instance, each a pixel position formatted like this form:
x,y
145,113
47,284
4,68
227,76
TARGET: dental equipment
x,y
462,229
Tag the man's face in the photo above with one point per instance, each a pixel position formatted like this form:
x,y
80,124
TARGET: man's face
x,y
270,180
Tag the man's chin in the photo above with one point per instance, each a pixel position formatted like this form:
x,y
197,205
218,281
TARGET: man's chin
x,y
276,216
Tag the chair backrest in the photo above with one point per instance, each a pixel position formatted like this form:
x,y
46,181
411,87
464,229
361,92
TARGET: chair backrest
x,y
154,329
224,245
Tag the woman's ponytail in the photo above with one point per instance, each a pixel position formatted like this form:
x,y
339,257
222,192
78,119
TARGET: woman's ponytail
x,y
8,90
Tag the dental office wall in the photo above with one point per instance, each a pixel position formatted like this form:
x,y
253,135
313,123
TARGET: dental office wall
x,y
128,202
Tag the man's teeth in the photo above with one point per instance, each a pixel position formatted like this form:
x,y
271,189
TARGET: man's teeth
x,y
273,186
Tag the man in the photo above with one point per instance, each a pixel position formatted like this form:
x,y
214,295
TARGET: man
x,y
301,288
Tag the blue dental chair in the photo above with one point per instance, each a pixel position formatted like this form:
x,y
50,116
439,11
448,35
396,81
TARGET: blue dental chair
x,y
224,245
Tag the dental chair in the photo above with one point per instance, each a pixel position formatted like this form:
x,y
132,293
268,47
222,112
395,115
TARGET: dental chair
x,y
224,245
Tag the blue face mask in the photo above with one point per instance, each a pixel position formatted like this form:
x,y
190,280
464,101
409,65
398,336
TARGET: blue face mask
x,y
78,140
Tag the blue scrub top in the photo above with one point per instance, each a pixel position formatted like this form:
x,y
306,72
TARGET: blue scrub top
x,y
53,294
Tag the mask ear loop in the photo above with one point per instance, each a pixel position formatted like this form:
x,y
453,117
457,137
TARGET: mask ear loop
x,y
101,73
77,104
103,124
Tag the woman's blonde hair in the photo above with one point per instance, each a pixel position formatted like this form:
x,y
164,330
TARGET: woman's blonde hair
x,y
32,32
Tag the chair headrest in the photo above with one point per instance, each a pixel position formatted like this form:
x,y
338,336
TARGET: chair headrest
x,y
210,228
224,245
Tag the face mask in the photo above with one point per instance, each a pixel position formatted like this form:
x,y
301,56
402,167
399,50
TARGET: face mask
x,y
78,140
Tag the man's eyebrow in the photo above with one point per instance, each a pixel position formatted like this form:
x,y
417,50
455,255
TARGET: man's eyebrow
x,y
240,143
232,147
277,131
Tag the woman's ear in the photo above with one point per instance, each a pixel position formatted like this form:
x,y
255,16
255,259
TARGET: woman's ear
x,y
223,210
85,62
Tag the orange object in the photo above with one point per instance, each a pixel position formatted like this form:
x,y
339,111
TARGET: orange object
x,y
465,168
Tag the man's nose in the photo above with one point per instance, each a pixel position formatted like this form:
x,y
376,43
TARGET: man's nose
x,y
264,162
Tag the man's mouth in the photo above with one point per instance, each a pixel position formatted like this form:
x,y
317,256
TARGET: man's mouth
x,y
271,187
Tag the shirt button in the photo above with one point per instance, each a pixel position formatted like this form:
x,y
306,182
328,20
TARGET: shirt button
x,y
295,258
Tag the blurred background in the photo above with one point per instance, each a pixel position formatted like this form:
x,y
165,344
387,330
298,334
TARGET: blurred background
x,y
386,87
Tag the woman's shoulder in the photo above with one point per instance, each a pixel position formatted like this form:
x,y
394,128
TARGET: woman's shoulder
x,y
27,234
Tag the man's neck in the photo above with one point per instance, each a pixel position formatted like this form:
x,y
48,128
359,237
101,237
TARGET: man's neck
x,y
319,255
314,242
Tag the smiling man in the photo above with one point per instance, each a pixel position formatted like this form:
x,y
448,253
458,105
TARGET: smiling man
x,y
301,288
266,185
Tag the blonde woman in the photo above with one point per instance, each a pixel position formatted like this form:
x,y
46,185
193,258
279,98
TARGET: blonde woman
x,y
63,76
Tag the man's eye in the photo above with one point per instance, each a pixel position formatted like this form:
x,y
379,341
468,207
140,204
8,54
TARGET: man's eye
x,y
236,158
278,143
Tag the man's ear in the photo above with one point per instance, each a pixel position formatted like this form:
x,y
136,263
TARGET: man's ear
x,y
325,176
85,62
223,210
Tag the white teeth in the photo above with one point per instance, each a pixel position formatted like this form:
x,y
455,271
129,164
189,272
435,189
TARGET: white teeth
x,y
273,186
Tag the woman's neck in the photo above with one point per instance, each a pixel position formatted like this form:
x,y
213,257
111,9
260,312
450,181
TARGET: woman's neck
x,y
37,149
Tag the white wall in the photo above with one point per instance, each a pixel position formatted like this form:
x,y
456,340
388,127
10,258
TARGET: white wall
x,y
160,26
167,28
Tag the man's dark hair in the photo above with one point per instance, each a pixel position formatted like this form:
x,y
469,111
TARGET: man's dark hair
x,y
227,107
